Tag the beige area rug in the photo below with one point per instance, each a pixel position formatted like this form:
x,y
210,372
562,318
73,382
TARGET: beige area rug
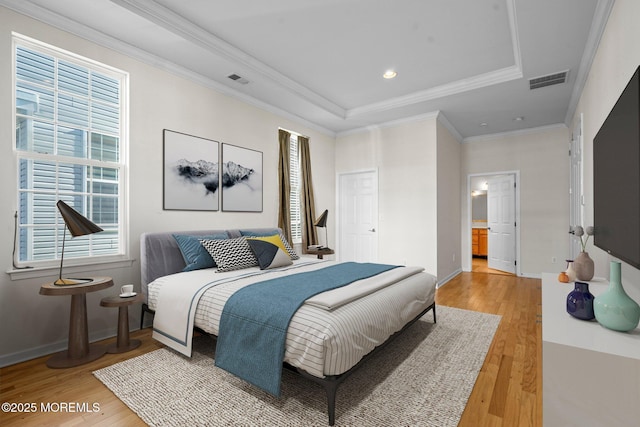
x,y
423,378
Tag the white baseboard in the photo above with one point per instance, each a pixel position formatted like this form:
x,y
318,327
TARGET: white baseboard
x,y
47,349
448,278
531,275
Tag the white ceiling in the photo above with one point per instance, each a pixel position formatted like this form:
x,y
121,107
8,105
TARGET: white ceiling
x,y
321,61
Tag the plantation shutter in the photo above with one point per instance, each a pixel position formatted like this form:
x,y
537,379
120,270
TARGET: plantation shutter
x,y
294,195
69,138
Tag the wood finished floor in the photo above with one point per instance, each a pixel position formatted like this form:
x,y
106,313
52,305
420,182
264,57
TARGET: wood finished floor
x,y
480,265
508,391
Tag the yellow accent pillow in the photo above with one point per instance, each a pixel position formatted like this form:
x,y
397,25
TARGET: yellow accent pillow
x,y
275,240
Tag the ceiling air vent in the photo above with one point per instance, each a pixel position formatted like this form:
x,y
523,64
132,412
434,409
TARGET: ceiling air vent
x,y
238,79
548,80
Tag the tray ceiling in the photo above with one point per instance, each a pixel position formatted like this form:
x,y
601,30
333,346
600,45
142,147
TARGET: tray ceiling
x,y
321,61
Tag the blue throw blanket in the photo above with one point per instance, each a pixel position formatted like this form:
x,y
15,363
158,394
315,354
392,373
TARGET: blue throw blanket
x,y
255,319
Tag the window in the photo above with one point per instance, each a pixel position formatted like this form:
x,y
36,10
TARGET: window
x,y
294,195
70,137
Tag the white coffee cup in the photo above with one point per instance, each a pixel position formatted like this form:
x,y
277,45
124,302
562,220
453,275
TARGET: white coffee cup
x,y
126,290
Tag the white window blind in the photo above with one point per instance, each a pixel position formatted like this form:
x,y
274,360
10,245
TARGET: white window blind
x,y
69,120
294,195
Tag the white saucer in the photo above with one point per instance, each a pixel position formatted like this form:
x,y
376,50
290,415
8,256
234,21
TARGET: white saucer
x,y
129,295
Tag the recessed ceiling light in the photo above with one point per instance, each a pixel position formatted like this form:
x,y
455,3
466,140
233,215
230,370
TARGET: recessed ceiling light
x,y
519,119
483,124
389,74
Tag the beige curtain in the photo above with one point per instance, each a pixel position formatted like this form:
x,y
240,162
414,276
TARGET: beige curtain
x,y
284,185
307,202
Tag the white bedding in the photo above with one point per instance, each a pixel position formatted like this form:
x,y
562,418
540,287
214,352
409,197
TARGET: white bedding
x,y
326,336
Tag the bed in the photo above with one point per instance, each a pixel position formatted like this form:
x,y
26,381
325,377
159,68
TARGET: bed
x,y
329,336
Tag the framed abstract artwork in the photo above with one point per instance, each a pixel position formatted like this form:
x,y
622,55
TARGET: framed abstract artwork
x,y
191,172
241,179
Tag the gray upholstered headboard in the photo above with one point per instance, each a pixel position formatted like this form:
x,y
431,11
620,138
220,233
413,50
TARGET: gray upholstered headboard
x,y
160,254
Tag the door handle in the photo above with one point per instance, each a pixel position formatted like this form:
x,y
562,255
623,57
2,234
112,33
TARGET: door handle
x,y
373,230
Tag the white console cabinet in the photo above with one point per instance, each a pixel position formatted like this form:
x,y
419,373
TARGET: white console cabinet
x,y
590,374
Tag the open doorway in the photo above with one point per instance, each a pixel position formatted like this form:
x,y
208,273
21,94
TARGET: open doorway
x,y
493,219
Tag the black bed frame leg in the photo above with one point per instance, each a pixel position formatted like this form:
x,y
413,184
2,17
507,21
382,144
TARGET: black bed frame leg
x,y
331,388
330,383
142,316
144,309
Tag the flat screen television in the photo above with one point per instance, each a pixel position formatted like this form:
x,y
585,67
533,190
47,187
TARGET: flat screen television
x,y
616,178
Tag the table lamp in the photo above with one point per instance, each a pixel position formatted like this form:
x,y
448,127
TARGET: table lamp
x,y
77,225
322,223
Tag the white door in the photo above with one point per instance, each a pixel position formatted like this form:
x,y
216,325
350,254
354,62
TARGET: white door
x,y
358,217
501,206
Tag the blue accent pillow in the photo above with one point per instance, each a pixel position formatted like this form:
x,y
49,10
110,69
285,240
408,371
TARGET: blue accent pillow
x,y
195,255
287,245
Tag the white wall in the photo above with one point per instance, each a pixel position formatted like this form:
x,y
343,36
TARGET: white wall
x,y
541,157
617,58
32,324
413,182
416,161
449,203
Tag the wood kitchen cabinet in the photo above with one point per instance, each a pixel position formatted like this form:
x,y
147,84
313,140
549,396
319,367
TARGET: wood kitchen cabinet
x,y
479,242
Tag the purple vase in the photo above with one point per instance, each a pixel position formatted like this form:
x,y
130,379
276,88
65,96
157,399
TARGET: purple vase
x,y
580,302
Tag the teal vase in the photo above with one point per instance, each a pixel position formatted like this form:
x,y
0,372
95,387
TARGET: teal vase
x,y
614,309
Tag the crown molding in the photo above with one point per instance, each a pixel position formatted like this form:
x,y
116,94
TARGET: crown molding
x,y
598,25
391,123
154,12
492,136
78,29
447,124
56,20
178,25
464,85
515,35
438,115
170,21
490,78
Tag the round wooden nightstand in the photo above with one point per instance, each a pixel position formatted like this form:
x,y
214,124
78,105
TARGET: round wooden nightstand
x,y
78,349
321,252
123,343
